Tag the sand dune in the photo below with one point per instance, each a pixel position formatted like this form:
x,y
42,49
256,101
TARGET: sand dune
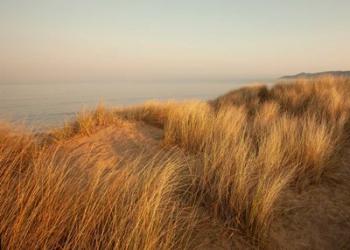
x,y
257,168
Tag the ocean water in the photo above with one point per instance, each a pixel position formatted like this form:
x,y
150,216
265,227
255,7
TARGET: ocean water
x,y
50,104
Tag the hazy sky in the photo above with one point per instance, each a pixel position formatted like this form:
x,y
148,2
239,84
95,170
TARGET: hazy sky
x,y
82,40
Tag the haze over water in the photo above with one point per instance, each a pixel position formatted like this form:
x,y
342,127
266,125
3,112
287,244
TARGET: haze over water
x,y
57,56
50,104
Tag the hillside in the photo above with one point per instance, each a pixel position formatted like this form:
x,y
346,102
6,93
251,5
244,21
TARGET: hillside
x,y
318,74
256,168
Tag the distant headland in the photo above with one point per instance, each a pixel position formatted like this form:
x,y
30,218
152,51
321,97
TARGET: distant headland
x,y
318,74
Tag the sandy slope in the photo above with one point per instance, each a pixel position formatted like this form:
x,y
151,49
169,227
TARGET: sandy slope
x,y
320,216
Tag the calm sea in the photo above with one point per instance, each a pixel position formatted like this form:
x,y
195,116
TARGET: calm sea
x,y
50,104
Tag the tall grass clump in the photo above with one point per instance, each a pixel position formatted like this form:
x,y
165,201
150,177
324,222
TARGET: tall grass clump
x,y
87,122
154,113
249,159
48,201
325,97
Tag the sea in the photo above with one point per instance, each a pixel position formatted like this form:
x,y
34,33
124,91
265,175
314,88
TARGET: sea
x,y
48,104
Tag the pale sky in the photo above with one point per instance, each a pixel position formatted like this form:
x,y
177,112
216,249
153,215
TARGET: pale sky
x,y
80,40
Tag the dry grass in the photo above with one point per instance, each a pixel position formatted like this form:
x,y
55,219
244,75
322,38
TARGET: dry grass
x,y
86,123
236,159
151,112
252,151
50,202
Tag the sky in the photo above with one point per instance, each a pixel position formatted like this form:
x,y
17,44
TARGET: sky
x,y
105,41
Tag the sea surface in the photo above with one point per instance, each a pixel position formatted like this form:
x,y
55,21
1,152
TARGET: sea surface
x,y
52,104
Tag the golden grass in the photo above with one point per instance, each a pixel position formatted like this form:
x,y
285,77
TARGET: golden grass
x,y
234,160
248,159
50,202
151,112
86,123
